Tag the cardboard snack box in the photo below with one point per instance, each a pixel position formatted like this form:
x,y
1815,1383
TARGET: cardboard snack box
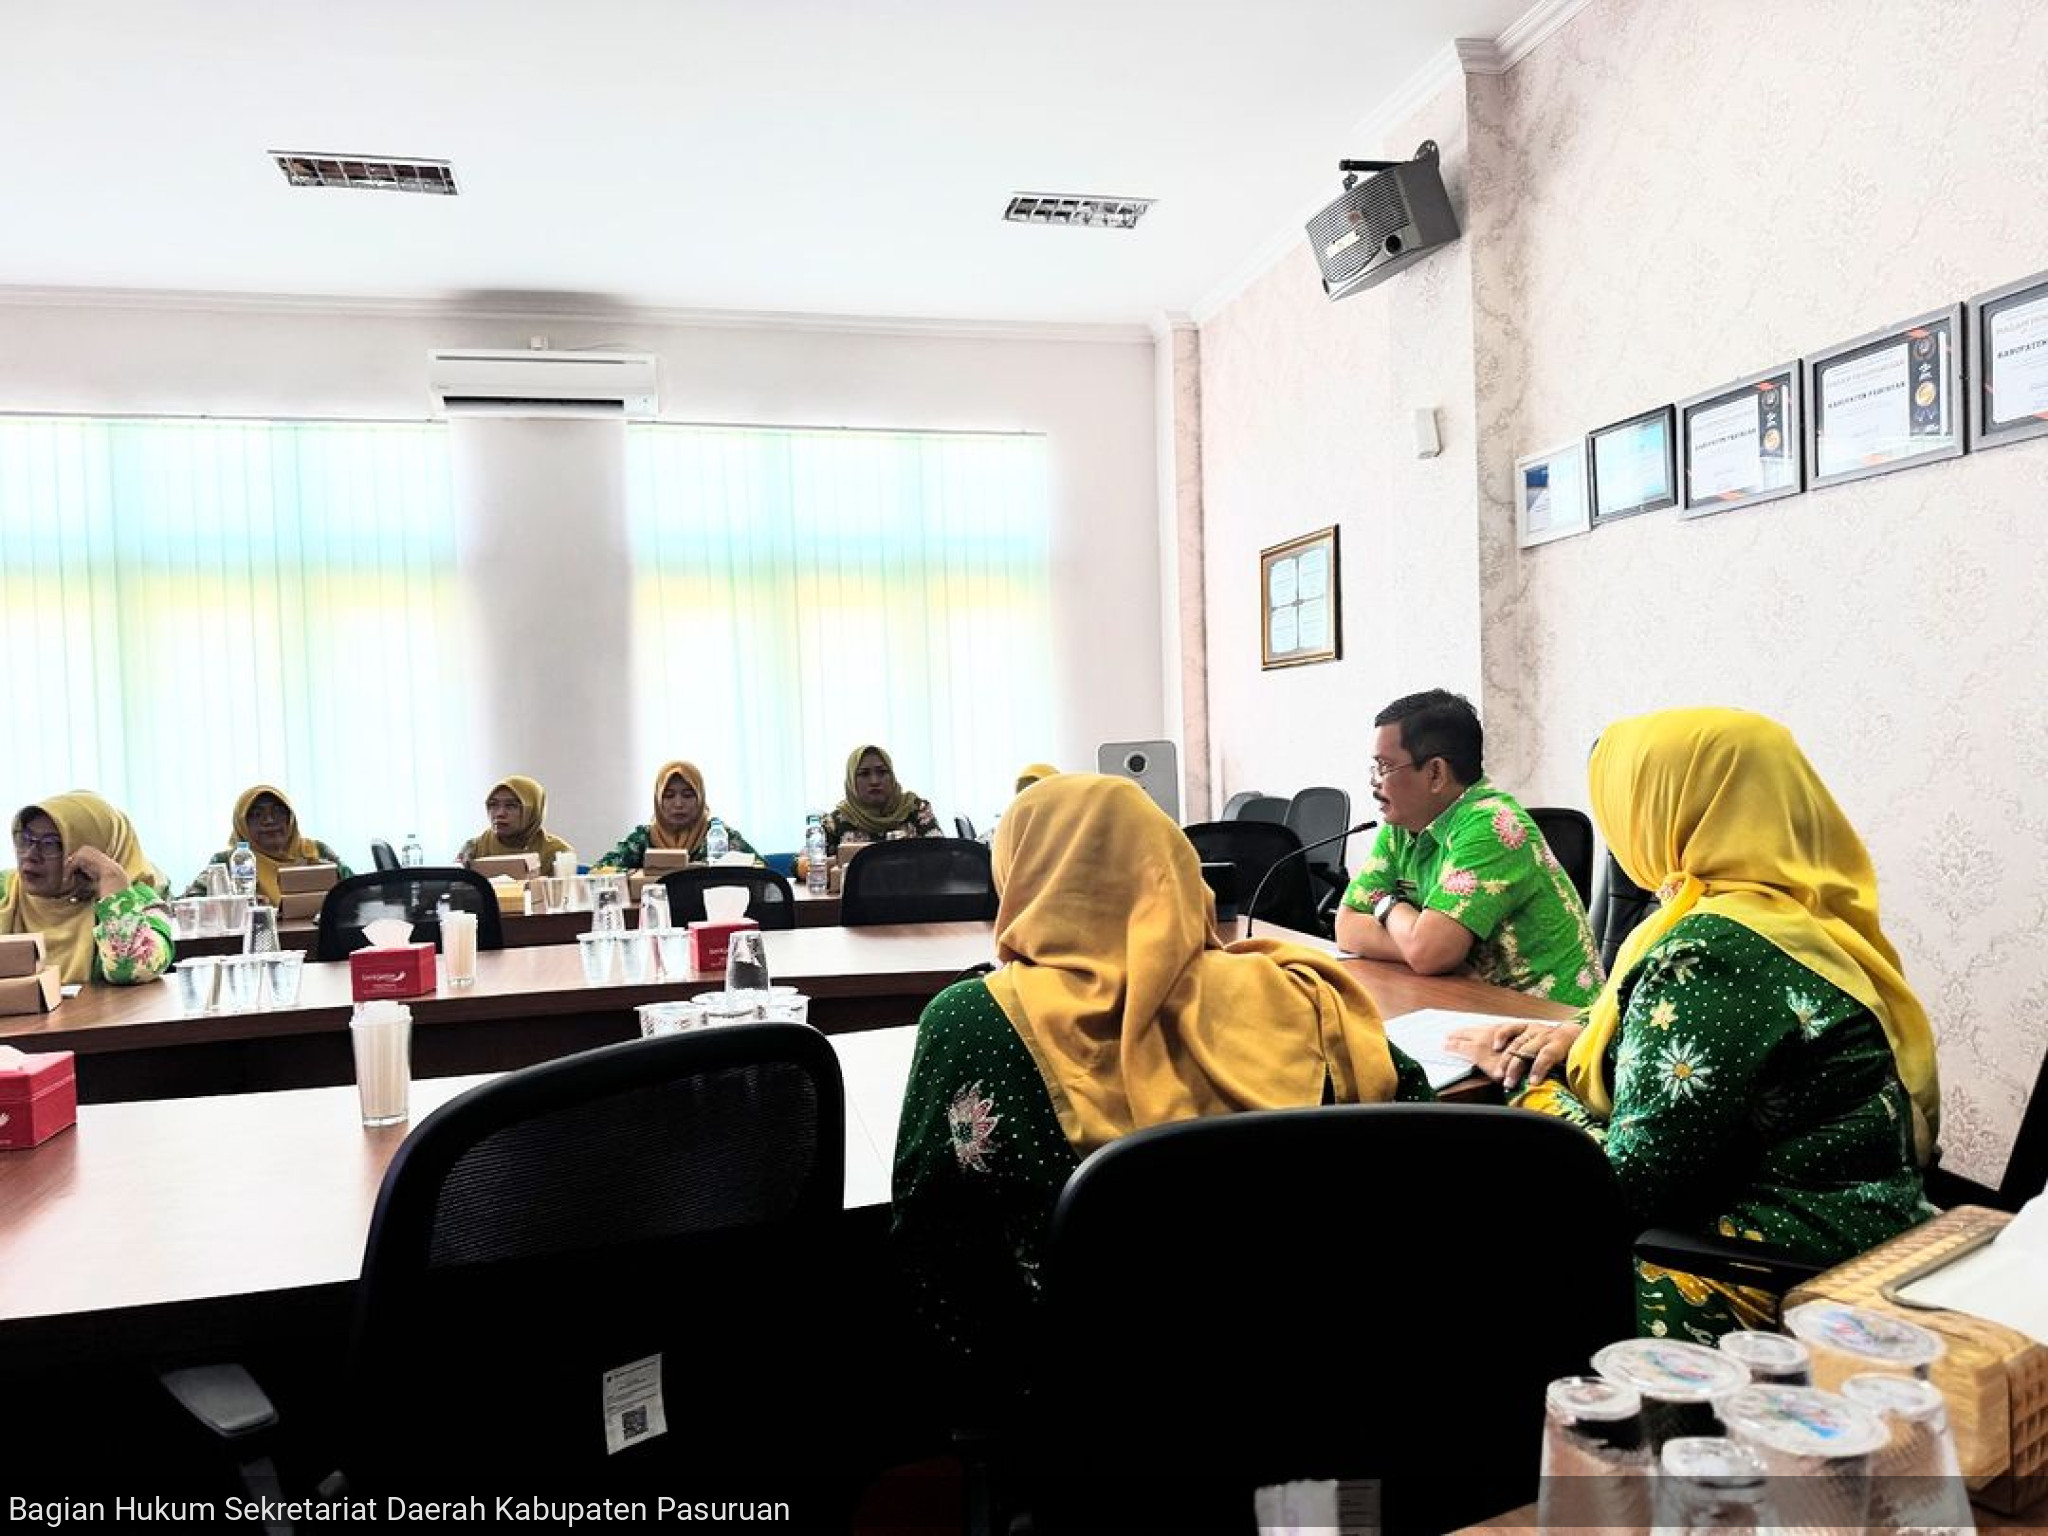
x,y
32,994
299,905
21,954
665,859
514,866
302,879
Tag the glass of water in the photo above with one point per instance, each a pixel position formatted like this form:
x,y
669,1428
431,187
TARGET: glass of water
x,y
746,966
654,913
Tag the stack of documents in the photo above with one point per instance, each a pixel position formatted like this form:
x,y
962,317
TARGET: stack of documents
x,y
1421,1035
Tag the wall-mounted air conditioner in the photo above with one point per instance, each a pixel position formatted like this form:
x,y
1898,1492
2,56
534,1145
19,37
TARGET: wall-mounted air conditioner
x,y
511,383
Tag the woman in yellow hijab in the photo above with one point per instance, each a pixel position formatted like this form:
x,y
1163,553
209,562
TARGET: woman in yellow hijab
x,y
1031,773
1117,1007
82,881
265,820
518,809
682,819
1757,1066
876,806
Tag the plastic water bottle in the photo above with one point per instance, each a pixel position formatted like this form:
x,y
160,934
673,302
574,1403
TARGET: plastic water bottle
x,y
242,870
815,856
716,844
413,855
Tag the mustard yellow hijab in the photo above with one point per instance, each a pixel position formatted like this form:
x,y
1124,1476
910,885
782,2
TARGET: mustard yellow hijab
x,y
692,834
1136,1012
1031,773
84,820
303,850
1719,811
530,836
874,823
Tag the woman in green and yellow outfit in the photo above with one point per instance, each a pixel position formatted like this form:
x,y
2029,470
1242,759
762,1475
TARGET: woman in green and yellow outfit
x,y
682,819
518,809
265,820
1118,1006
1756,1066
876,806
82,880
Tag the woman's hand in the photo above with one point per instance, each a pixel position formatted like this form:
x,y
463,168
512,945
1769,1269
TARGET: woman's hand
x,y
1530,1051
1475,1044
94,874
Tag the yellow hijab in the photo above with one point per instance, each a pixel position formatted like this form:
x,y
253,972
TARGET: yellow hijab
x,y
303,849
1136,1012
874,823
84,820
1719,811
692,834
1031,773
530,836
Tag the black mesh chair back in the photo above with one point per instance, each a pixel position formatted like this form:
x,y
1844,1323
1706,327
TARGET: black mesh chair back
x,y
1620,905
1238,1232
414,895
918,880
1253,847
964,828
1234,806
1314,814
381,856
668,1201
771,901
1263,808
1570,836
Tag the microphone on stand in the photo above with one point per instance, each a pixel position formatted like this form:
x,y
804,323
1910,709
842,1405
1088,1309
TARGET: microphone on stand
x,y
1252,906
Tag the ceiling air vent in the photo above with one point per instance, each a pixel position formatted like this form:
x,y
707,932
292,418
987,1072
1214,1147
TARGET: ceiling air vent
x,y
1071,208
366,173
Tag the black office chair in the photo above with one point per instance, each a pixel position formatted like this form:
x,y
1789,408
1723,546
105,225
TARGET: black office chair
x,y
1234,806
918,880
1254,847
1570,836
1271,808
771,901
1314,814
665,1205
414,895
1619,904
381,856
1233,1236
964,828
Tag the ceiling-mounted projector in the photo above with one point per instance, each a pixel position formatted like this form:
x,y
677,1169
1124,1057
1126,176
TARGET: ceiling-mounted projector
x,y
1381,224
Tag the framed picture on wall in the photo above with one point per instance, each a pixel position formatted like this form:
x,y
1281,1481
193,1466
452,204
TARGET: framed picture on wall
x,y
1886,400
1634,466
1298,608
1741,442
2009,340
1550,494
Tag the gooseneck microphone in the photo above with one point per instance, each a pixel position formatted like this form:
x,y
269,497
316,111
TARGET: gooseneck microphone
x,y
1252,907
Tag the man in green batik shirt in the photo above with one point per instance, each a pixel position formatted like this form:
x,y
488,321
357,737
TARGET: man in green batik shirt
x,y
1459,877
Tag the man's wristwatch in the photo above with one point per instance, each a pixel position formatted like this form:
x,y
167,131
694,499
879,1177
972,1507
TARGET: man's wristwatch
x,y
1384,905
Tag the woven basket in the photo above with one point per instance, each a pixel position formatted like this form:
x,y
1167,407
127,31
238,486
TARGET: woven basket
x,y
1995,1379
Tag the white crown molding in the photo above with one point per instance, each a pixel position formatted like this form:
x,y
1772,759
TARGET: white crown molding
x,y
1165,322
1526,32
1479,56
543,307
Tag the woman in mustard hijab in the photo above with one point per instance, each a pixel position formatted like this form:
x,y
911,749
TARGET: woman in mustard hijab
x,y
876,806
1117,1007
1756,1066
682,819
1031,773
518,809
265,820
82,880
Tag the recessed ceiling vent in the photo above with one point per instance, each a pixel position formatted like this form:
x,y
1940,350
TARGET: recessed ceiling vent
x,y
1074,208
365,173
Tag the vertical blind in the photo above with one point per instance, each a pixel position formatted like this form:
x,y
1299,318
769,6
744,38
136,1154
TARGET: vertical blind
x,y
798,593
190,607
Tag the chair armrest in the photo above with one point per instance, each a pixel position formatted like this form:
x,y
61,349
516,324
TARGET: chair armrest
x,y
225,1398
1729,1260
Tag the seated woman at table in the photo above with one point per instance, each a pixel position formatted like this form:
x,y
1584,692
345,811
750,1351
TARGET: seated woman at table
x,y
876,806
1118,1006
265,820
82,880
1756,1066
518,809
682,819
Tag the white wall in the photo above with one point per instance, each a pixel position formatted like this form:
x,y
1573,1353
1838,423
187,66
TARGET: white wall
x,y
1089,394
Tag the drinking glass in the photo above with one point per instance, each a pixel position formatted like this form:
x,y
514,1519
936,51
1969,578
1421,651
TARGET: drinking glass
x,y
746,966
458,947
217,882
607,911
669,1018
654,914
1771,1358
382,1033
1708,1484
284,968
674,944
787,1003
243,975
190,915
1916,1483
1853,1341
1678,1382
197,984
226,912
1817,1448
259,929
1596,1468
598,950
635,950
729,1008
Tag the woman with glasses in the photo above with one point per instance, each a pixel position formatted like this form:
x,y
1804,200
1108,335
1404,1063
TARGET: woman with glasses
x,y
265,820
82,881
682,820
518,809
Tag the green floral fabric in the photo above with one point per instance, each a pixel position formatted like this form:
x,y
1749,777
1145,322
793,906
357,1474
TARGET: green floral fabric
x,y
131,934
921,822
630,852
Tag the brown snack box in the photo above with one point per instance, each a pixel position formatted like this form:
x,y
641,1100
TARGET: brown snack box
x,y
635,883
21,954
302,904
302,879
666,859
516,866
32,994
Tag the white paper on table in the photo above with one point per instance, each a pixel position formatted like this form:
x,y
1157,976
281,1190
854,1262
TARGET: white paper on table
x,y
2001,1281
1421,1035
633,1408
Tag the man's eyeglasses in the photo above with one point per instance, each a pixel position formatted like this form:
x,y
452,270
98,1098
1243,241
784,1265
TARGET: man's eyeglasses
x,y
51,844
1381,770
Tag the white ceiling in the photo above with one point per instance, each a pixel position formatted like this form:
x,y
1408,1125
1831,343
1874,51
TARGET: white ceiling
x,y
841,157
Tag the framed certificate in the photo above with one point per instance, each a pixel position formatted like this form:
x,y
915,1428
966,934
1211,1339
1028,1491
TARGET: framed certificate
x,y
1634,466
1298,617
1741,442
2009,340
1550,494
1886,400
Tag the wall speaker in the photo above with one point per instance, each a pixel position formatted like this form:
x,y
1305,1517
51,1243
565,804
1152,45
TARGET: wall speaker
x,y
1154,766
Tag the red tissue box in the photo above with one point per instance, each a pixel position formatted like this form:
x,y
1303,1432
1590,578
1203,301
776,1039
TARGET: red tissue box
x,y
394,970
709,943
38,1099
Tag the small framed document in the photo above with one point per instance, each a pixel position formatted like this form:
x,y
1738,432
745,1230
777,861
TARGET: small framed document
x,y
1741,442
1634,466
1886,400
1298,609
2009,340
1550,494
